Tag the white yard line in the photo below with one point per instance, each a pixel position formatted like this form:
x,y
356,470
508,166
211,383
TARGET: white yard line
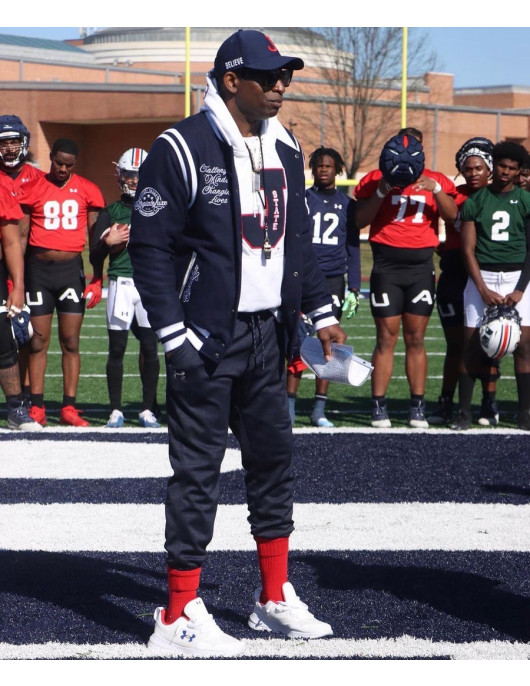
x,y
402,647
319,526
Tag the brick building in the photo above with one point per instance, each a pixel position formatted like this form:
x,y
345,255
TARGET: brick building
x,y
121,87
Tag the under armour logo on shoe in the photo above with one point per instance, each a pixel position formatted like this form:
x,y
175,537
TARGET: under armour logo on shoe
x,y
186,636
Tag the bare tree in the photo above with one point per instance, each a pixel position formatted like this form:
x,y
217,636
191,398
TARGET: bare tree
x,y
359,67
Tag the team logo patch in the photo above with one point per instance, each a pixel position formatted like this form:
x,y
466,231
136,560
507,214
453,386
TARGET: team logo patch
x,y
149,203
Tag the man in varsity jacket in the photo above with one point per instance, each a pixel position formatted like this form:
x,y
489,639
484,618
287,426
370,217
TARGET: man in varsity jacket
x,y
222,257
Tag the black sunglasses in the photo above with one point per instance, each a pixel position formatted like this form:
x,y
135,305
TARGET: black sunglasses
x,y
266,79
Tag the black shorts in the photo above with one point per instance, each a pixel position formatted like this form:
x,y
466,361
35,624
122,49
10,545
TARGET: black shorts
x,y
337,286
450,289
54,285
402,280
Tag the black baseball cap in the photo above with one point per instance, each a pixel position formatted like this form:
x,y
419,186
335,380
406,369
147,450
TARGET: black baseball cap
x,y
254,50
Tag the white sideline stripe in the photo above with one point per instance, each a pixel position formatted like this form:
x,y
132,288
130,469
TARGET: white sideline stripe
x,y
435,430
104,352
348,526
306,376
68,460
402,647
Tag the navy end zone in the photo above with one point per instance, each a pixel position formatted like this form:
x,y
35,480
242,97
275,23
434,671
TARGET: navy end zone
x,y
412,545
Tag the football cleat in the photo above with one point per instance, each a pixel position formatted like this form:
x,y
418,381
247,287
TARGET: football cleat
x,y
195,635
489,413
417,415
500,331
148,420
322,422
115,420
380,418
38,414
443,413
70,416
523,420
462,421
289,616
19,418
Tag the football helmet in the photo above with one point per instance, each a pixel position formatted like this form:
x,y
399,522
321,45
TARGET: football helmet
x,y
500,331
402,160
127,169
11,127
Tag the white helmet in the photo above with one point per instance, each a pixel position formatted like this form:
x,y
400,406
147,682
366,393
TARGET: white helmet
x,y
127,169
500,331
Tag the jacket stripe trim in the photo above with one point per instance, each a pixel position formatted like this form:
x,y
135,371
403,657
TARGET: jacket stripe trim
x,y
185,159
170,331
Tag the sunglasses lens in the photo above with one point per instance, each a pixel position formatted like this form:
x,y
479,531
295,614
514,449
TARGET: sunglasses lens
x,y
268,79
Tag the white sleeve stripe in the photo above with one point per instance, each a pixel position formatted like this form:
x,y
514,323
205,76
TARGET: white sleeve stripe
x,y
324,310
181,149
174,343
193,172
177,141
173,144
322,323
194,339
172,328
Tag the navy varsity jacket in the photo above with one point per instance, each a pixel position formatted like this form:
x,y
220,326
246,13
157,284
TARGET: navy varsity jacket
x,y
186,239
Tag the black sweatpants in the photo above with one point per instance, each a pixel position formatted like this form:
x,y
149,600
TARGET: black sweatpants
x,y
246,391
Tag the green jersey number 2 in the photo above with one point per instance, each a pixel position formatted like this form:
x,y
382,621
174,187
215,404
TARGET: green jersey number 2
x,y
499,230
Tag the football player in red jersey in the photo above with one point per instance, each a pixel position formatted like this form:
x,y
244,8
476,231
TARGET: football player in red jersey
x,y
403,236
16,176
474,162
62,206
11,305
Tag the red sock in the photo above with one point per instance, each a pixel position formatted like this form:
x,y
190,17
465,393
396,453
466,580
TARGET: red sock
x,y
182,585
272,557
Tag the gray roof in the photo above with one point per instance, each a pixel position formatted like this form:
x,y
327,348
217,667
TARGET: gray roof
x,y
38,43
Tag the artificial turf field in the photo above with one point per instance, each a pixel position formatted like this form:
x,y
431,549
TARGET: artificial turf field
x,y
347,406
412,544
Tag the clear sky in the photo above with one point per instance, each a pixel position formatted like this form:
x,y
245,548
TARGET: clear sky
x,y
477,56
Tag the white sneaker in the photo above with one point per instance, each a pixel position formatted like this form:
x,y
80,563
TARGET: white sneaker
x,y
198,636
290,616
148,420
115,420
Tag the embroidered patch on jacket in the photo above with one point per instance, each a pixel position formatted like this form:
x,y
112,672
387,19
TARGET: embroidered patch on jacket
x,y
194,276
213,177
149,203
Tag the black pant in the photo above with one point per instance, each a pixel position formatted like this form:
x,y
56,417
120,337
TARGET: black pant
x,y
246,392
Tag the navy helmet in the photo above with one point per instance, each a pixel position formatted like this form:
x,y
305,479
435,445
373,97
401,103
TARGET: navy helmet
x,y
402,160
12,126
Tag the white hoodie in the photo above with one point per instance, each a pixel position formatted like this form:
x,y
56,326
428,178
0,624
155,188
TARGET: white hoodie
x,y
261,278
